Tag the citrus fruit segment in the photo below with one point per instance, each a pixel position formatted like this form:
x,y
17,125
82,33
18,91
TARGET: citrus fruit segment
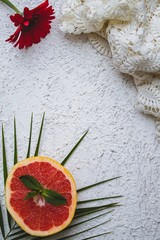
x,y
34,215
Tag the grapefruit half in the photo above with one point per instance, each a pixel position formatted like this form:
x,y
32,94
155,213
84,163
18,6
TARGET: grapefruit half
x,y
34,215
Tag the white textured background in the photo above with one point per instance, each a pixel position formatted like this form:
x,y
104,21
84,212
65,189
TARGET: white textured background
x,y
78,88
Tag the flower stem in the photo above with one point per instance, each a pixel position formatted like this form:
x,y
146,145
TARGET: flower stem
x,y
8,3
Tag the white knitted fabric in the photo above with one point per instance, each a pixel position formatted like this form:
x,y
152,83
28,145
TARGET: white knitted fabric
x,y
127,30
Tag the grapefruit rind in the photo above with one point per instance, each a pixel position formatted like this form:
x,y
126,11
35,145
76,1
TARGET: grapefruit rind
x,y
15,215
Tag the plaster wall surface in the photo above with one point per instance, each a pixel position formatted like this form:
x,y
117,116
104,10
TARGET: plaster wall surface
x,y
80,89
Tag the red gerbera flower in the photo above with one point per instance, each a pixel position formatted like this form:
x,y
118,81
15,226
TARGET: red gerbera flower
x,y
32,25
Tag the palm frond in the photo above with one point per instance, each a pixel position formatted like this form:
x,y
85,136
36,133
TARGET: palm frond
x,y
21,236
98,199
98,235
73,149
30,137
88,209
5,170
87,213
2,222
16,233
37,238
16,227
15,143
73,235
90,219
39,137
10,231
20,231
96,184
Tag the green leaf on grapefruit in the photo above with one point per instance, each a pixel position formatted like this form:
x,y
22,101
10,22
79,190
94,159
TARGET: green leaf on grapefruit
x,y
31,183
53,197
50,196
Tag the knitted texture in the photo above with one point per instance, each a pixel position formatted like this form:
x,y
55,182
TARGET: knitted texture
x,y
127,30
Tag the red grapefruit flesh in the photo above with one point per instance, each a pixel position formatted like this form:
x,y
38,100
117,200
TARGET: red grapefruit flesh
x,y
35,215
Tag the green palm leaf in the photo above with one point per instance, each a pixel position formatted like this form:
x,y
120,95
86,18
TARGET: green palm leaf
x,y
30,137
90,219
102,234
2,222
88,209
15,143
5,171
90,212
73,235
39,137
20,231
73,149
98,199
96,184
21,236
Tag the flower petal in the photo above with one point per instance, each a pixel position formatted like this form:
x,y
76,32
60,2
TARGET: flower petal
x,y
17,19
13,38
40,7
27,13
